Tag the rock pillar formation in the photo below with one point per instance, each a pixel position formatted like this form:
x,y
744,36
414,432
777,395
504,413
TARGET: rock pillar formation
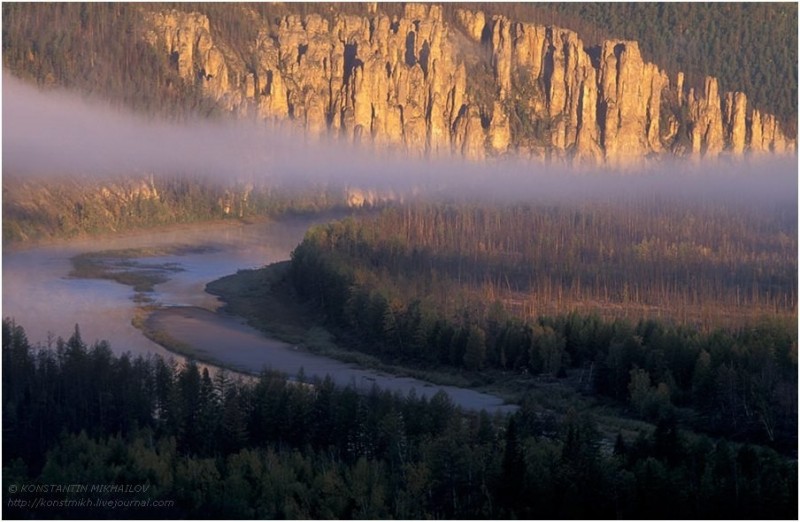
x,y
483,87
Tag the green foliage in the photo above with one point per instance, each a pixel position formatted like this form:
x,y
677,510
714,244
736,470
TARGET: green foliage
x,y
475,350
547,352
649,401
266,448
529,128
409,287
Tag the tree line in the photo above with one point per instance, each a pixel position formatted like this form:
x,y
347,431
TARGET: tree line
x,y
393,286
67,207
693,262
220,447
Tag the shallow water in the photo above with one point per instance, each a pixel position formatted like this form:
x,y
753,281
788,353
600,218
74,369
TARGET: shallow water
x,y
235,345
40,296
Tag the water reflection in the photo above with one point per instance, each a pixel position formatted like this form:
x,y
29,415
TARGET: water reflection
x,y
39,295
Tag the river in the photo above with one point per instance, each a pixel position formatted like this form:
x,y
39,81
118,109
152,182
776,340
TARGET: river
x,y
40,296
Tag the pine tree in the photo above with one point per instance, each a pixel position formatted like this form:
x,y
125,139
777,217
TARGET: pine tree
x,y
475,351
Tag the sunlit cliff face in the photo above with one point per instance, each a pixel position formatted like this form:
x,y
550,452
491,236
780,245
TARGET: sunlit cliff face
x,y
55,133
410,83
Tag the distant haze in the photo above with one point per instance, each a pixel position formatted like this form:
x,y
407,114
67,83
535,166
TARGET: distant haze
x,y
57,133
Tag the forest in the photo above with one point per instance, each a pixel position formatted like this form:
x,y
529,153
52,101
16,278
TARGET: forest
x,y
643,306
265,447
696,261
650,342
48,208
750,47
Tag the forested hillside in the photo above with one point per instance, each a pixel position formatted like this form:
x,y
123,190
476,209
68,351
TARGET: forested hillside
x,y
221,448
92,48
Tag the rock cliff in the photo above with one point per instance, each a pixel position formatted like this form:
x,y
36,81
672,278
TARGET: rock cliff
x,y
405,82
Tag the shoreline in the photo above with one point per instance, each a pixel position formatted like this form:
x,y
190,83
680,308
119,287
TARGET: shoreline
x,y
235,346
132,233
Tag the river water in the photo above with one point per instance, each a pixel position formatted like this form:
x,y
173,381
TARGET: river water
x,y
40,296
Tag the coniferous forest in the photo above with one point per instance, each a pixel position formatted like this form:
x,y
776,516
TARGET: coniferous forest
x,y
609,297
269,448
678,398
637,329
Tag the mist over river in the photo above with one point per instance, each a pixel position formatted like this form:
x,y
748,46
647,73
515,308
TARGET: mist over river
x,y
41,297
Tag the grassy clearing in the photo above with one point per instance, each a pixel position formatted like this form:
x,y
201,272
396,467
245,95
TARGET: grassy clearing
x,y
158,251
142,280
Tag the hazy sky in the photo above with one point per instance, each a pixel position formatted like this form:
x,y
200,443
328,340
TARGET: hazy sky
x,y
46,133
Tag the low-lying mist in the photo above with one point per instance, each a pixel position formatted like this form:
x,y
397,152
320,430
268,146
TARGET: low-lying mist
x,y
55,133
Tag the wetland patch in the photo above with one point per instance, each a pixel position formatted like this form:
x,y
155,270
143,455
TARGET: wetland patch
x,y
125,266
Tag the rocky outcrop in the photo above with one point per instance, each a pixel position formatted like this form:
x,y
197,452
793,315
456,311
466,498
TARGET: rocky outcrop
x,y
186,40
631,101
390,82
705,128
735,120
473,23
766,135
469,138
403,82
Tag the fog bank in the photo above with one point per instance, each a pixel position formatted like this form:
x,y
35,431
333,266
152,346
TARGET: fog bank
x,y
57,133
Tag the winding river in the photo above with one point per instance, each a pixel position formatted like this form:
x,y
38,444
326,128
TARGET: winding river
x,y
40,296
